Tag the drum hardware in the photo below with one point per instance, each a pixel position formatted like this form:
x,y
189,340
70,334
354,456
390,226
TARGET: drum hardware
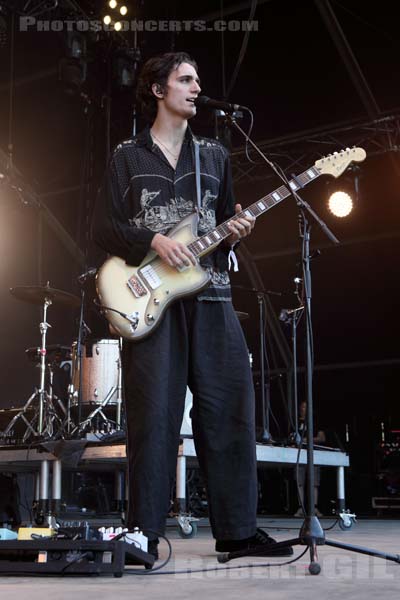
x,y
96,375
45,417
57,356
56,353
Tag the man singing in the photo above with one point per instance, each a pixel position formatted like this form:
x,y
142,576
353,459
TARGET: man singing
x,y
149,187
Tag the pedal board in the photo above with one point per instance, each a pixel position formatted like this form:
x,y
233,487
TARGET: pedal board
x,y
69,557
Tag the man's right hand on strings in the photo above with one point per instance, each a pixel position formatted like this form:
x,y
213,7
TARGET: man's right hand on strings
x,y
174,253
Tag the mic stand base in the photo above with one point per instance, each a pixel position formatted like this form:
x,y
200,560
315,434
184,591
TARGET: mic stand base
x,y
264,437
294,439
311,535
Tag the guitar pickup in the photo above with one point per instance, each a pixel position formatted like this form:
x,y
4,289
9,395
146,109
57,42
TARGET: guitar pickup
x,y
136,287
150,277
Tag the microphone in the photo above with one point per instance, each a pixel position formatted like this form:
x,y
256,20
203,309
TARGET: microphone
x,y
89,273
206,102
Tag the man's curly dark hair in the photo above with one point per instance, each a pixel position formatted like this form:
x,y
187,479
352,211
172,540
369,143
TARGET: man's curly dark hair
x,y
157,70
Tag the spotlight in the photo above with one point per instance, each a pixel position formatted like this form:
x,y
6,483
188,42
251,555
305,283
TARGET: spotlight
x,y
107,20
125,67
76,45
340,204
112,4
123,10
117,26
72,69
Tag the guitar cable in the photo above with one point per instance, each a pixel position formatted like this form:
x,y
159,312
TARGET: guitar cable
x,y
102,308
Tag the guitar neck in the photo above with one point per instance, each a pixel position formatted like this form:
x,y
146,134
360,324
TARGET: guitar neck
x,y
205,243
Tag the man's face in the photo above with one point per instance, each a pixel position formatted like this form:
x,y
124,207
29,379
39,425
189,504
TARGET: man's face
x,y
183,86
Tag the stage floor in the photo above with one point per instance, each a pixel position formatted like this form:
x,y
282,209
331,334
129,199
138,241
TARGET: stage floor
x,y
344,574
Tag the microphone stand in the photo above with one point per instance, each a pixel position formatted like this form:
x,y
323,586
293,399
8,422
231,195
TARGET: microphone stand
x,y
263,434
311,533
292,317
83,330
79,353
264,437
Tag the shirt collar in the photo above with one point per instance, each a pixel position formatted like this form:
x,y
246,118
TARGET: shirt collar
x,y
144,137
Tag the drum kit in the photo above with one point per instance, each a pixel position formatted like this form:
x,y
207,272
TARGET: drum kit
x,y
89,400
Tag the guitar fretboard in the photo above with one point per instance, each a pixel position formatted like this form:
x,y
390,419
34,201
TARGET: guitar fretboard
x,y
204,243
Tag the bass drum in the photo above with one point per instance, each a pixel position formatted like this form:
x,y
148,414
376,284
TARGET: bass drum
x,y
100,365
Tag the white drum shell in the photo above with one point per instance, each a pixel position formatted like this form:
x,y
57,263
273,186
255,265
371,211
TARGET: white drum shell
x,y
99,371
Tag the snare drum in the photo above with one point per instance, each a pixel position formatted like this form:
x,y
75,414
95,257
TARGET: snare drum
x,y
100,364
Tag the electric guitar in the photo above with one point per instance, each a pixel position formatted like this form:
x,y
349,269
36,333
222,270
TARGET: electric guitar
x,y
134,299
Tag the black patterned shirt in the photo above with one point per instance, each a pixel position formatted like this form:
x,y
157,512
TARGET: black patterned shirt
x,y
143,195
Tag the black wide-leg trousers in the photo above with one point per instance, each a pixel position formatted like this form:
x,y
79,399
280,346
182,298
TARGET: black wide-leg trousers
x,y
200,344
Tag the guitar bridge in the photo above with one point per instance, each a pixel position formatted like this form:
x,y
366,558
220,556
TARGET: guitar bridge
x,y
136,287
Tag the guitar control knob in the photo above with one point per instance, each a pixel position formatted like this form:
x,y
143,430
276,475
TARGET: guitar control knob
x,y
156,301
150,317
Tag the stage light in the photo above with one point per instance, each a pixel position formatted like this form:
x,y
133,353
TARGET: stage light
x,y
107,20
76,45
117,26
123,10
340,204
125,65
112,3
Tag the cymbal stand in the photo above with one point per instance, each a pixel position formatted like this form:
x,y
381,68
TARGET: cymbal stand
x,y
44,424
65,420
44,325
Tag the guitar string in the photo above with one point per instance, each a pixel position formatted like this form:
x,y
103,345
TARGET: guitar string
x,y
283,193
160,269
254,212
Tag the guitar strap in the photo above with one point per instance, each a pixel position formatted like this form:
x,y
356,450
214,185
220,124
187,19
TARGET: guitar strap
x,y
197,172
232,260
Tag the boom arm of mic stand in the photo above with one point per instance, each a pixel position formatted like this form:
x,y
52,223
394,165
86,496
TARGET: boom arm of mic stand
x,y
232,121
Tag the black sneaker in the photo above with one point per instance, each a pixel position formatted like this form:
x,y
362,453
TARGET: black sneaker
x,y
152,548
261,538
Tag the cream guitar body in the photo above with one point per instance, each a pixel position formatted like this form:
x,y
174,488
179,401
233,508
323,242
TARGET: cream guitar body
x,y
143,293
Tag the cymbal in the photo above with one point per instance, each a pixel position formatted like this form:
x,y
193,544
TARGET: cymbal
x,y
37,294
241,315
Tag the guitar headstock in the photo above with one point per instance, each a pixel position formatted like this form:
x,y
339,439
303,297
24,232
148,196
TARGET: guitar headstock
x,y
335,164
